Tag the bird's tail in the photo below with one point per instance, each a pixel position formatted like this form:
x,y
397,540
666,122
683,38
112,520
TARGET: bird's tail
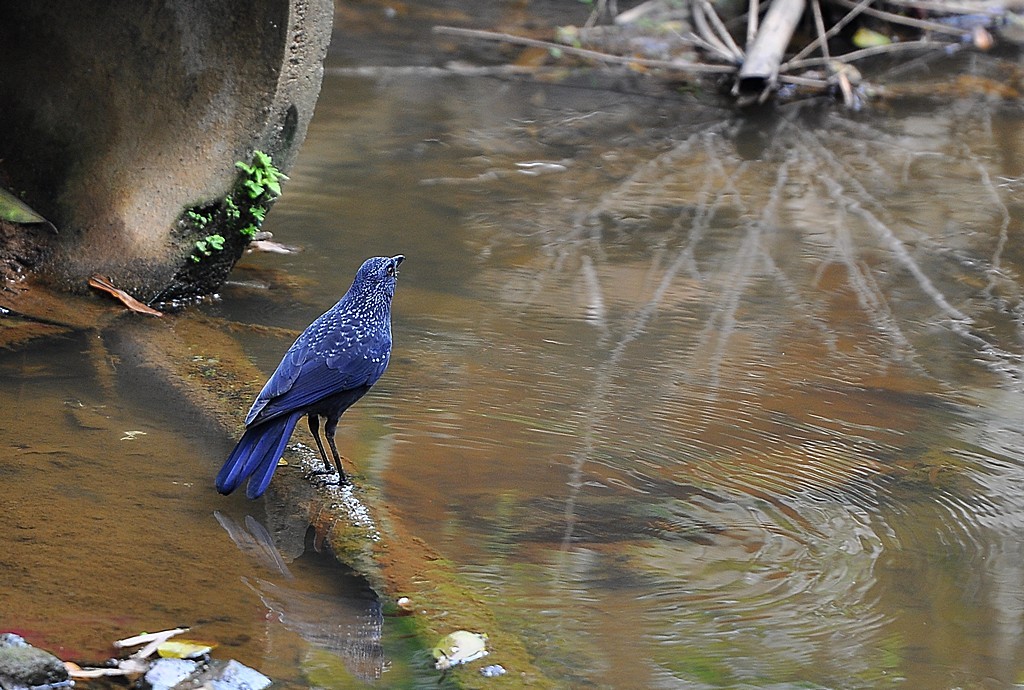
x,y
255,456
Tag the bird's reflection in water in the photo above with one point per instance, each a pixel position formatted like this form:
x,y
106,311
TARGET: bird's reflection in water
x,y
345,624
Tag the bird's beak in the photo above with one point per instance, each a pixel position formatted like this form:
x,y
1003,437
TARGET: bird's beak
x,y
398,260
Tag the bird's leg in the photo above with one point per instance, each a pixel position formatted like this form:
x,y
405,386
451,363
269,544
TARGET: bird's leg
x,y
329,428
314,428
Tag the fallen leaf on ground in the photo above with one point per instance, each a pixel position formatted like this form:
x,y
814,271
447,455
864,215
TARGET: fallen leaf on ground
x,y
15,210
101,283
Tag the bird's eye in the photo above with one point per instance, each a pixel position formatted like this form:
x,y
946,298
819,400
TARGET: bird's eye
x,y
391,270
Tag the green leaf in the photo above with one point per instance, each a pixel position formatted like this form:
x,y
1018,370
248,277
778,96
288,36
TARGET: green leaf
x,y
199,219
255,189
15,210
262,160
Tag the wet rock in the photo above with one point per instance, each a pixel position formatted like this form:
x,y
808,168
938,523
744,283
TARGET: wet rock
x,y
167,673
185,674
25,666
232,676
493,671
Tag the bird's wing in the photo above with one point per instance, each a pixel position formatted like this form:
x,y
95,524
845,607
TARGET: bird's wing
x,y
320,381
283,378
311,371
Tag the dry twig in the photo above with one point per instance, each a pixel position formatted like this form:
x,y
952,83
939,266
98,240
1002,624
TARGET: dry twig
x,y
893,18
836,28
676,65
873,51
711,29
761,65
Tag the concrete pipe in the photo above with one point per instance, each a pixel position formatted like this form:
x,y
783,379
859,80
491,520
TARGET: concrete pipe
x,y
120,116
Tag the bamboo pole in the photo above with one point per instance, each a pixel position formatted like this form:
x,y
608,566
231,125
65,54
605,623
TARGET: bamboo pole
x,y
760,71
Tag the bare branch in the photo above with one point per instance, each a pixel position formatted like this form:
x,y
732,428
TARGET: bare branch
x,y
720,29
944,7
753,10
906,21
819,25
675,65
836,28
855,55
765,56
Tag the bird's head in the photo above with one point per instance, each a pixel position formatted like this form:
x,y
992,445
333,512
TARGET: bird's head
x,y
377,276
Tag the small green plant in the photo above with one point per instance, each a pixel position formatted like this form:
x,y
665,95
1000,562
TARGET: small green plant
x,y
208,245
242,211
200,219
231,209
261,176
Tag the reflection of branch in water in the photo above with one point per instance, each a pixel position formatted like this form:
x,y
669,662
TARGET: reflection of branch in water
x,y
749,254
861,173
994,270
865,288
825,229
899,250
596,312
854,199
651,179
597,408
706,207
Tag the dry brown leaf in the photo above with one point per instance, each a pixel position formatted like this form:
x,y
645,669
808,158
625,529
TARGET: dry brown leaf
x,y
101,283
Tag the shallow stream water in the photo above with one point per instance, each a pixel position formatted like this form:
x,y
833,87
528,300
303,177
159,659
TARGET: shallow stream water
x,y
693,401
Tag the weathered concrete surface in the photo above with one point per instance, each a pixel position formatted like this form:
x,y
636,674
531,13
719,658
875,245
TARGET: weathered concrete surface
x,y
118,115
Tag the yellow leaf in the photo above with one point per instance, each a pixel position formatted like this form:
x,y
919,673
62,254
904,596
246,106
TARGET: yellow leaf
x,y
183,649
866,38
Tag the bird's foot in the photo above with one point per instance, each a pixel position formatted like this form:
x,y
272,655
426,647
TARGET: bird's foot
x,y
343,480
341,477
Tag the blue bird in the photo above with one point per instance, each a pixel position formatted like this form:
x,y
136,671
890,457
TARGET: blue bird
x,y
328,368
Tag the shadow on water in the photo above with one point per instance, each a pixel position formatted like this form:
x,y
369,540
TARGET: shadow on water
x,y
690,409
